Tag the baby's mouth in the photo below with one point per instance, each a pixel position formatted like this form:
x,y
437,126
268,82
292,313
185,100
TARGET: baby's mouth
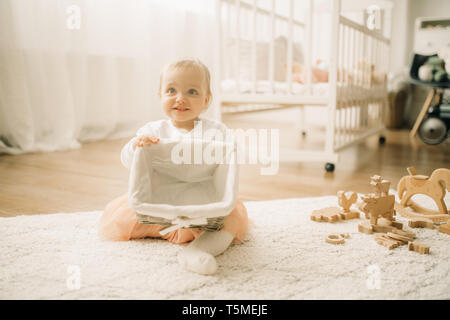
x,y
181,109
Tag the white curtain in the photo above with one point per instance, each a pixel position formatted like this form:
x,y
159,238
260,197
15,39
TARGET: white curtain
x,y
80,70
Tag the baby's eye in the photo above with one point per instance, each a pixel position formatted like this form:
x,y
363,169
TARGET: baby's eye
x,y
192,91
170,90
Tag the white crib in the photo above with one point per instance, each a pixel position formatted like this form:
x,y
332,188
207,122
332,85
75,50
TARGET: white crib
x,y
261,66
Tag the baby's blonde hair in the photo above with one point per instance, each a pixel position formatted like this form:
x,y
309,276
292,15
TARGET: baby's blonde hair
x,y
189,63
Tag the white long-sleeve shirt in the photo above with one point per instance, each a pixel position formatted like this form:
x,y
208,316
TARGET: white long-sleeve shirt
x,y
164,129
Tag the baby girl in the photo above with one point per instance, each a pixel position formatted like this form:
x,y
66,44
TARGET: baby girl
x,y
185,94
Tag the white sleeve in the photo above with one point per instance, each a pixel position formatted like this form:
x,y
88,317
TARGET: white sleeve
x,y
127,153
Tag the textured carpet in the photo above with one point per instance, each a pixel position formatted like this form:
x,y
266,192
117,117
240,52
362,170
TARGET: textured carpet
x,y
284,257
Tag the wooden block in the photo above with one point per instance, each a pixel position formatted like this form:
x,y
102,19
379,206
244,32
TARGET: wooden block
x,y
421,223
345,235
405,233
335,238
382,229
397,225
399,237
386,241
365,227
349,215
419,247
384,222
329,214
445,228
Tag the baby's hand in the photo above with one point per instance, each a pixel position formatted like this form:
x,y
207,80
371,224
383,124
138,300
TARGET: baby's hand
x,y
145,141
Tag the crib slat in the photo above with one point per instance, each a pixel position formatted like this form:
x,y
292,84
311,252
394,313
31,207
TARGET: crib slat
x,y
289,49
331,109
354,61
227,56
254,49
272,48
360,55
309,46
238,45
373,34
263,11
219,62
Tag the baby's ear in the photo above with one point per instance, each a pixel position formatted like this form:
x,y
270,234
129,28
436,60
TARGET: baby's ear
x,y
208,99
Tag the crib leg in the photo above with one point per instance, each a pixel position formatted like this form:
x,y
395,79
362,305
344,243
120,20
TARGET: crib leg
x,y
329,167
301,123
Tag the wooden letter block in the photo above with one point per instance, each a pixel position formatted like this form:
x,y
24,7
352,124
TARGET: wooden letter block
x,y
335,238
418,247
421,223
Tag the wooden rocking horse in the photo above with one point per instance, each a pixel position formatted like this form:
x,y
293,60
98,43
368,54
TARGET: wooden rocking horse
x,y
434,186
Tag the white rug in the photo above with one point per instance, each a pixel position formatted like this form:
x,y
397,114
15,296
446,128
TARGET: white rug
x,y
284,257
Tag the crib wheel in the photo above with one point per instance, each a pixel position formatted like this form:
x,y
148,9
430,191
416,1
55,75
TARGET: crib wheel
x,y
382,139
329,167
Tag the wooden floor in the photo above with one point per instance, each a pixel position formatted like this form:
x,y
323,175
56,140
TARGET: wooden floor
x,y
88,178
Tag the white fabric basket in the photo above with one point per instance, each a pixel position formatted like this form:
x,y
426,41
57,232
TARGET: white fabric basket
x,y
188,183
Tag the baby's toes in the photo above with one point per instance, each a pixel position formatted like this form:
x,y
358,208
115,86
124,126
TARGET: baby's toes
x,y
197,261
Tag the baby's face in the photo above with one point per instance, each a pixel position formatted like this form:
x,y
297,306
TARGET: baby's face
x,y
183,96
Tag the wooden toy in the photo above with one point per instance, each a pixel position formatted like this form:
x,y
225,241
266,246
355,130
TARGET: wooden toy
x,y
387,241
379,203
421,223
445,228
333,214
399,237
346,199
381,187
376,207
329,214
397,225
418,247
365,227
335,238
407,213
405,233
382,229
432,186
388,223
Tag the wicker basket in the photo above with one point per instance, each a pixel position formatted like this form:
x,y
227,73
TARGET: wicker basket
x,y
213,224
164,192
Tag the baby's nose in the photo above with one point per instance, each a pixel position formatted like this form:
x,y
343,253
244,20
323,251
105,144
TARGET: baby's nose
x,y
180,97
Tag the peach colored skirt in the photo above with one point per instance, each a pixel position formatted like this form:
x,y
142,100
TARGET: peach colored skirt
x,y
118,223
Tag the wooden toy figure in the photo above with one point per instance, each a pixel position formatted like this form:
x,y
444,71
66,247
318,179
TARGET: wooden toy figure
x,y
379,203
432,186
381,187
333,214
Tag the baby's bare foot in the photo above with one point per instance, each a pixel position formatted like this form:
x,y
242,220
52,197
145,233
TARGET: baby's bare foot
x,y
198,261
